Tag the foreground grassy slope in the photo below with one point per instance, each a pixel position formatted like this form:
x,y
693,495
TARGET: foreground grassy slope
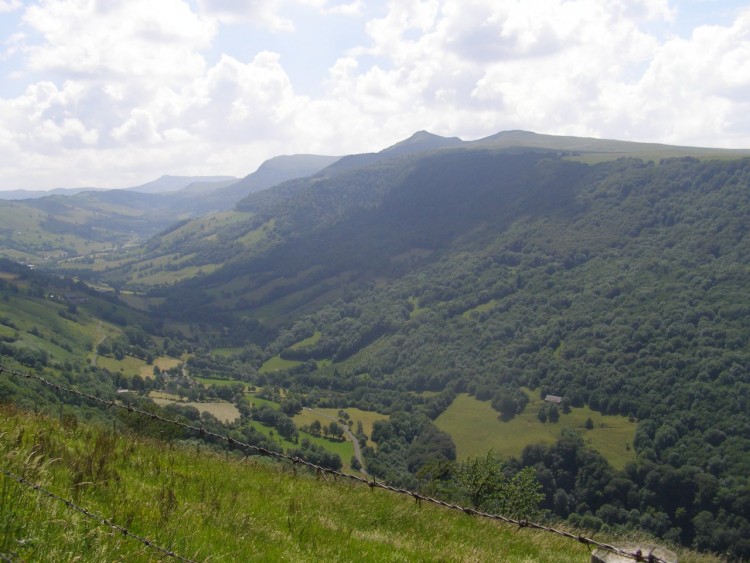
x,y
205,506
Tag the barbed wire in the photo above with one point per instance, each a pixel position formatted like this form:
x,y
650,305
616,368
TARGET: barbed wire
x,y
372,483
100,519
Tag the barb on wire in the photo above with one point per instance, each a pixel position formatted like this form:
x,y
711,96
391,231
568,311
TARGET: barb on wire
x,y
637,556
100,519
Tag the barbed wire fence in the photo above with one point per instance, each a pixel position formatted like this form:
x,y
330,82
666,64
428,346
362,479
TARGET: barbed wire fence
x,y
320,470
92,516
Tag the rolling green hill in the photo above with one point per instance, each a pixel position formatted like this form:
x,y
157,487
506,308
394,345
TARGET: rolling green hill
x,y
97,226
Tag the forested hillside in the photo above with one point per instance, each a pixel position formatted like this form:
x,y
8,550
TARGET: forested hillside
x,y
619,286
412,282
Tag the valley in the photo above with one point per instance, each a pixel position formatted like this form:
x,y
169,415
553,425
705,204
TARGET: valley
x,y
427,298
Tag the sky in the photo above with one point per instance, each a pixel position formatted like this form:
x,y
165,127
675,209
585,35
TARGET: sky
x,y
115,93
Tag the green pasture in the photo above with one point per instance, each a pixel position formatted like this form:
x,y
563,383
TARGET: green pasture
x,y
258,402
476,427
129,365
223,411
277,363
220,382
307,342
53,330
343,448
225,352
162,362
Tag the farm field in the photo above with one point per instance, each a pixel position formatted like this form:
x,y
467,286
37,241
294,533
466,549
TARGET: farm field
x,y
129,365
475,428
277,364
163,363
220,382
225,412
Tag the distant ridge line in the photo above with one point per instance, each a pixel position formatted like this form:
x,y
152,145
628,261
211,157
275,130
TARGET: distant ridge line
x,y
418,497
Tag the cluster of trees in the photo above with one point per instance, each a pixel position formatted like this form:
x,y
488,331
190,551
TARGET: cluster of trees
x,y
317,455
317,428
280,421
406,443
684,504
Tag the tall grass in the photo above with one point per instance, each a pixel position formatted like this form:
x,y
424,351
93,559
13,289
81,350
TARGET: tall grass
x,y
209,505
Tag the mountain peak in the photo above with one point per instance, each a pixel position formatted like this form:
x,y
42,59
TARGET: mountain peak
x,y
422,141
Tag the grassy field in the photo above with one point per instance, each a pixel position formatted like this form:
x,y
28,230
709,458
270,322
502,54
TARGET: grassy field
x,y
307,342
163,363
475,428
164,396
277,364
221,382
225,352
258,402
208,506
225,412
129,365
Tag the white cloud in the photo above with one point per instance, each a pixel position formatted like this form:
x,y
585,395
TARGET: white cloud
x,y
9,6
122,92
573,67
349,9
110,41
264,13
